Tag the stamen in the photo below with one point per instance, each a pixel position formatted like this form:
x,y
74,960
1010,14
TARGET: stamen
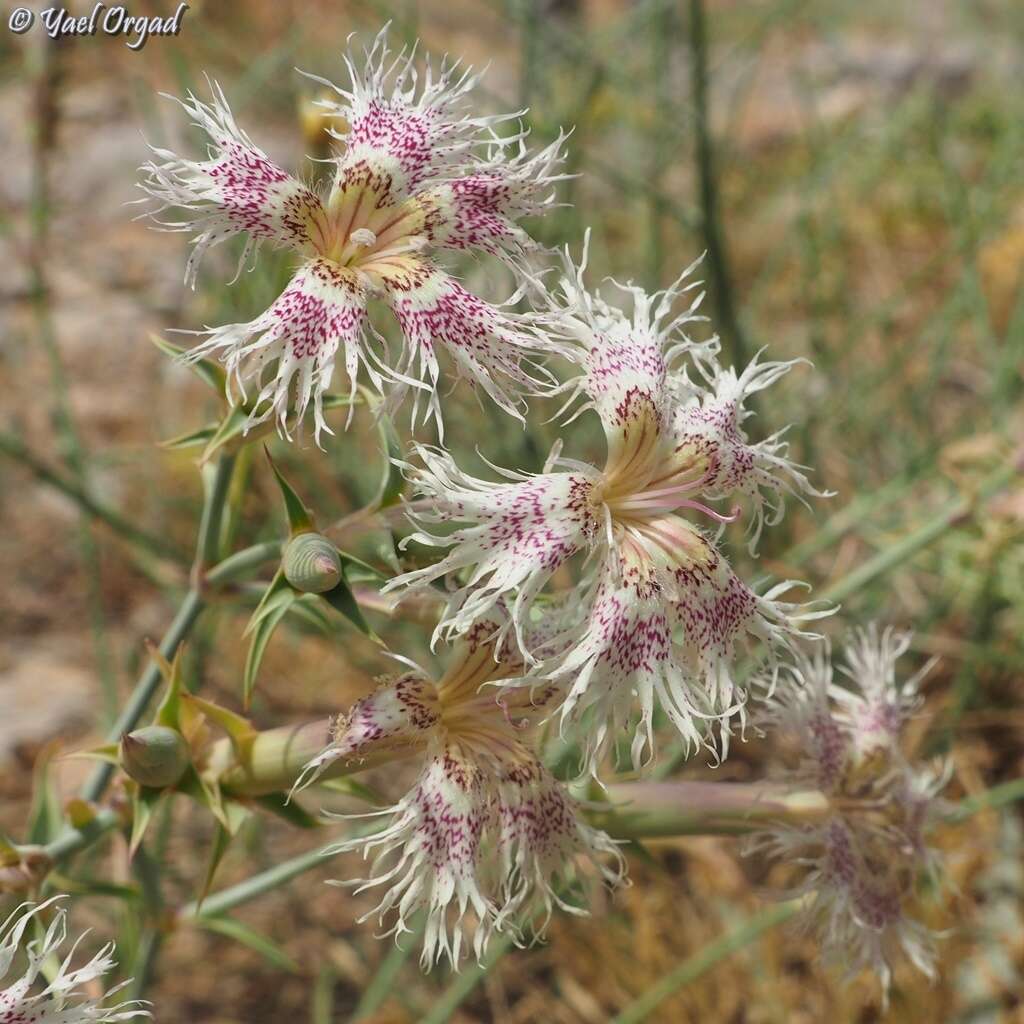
x,y
363,237
720,517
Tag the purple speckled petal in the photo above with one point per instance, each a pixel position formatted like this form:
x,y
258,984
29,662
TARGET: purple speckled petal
x,y
516,535
239,189
322,309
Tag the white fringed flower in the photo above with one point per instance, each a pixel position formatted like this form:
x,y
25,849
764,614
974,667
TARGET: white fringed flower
x,y
487,839
417,173
861,861
60,1001
659,615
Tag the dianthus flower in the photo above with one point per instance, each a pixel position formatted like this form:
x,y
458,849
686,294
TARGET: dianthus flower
x,y
659,612
418,173
52,1005
861,860
487,839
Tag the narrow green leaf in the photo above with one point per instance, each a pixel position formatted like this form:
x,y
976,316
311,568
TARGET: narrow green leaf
x,y
288,810
109,753
299,518
353,787
169,711
144,803
247,936
258,645
90,886
278,585
206,370
392,482
191,438
342,600
240,730
235,427
334,401
221,842
45,819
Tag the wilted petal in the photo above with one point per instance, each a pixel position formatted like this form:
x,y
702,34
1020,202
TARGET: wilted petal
x,y
517,535
323,308
802,708
861,862
877,709
238,189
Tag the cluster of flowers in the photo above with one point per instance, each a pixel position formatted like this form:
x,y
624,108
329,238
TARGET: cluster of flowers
x,y
487,838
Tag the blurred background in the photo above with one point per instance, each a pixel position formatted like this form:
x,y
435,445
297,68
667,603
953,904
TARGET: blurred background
x,y
855,171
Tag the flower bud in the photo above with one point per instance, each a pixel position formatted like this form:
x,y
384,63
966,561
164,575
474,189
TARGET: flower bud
x,y
311,563
155,756
25,870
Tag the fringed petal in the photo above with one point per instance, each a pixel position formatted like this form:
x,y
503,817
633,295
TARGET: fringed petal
x,y
861,862
429,858
406,125
323,308
516,535
485,343
541,841
237,189
399,717
710,443
60,1001
479,209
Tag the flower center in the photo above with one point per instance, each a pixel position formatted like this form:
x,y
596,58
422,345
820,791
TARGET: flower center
x,y
360,230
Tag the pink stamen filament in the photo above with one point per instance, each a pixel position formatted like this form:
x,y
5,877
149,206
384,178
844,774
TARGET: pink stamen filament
x,y
670,499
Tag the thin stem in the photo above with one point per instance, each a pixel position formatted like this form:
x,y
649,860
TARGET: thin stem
x,y
147,685
243,562
382,984
15,449
652,809
920,538
75,839
257,885
215,491
691,969
465,981
714,238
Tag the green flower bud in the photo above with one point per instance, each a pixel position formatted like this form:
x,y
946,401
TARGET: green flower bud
x,y
155,756
311,563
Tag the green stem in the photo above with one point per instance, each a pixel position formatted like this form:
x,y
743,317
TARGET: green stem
x,y
465,981
652,809
257,885
241,563
691,969
892,556
382,984
216,488
147,685
13,448
714,238
215,491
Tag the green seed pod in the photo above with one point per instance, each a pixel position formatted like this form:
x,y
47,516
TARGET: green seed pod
x,y
155,756
311,563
